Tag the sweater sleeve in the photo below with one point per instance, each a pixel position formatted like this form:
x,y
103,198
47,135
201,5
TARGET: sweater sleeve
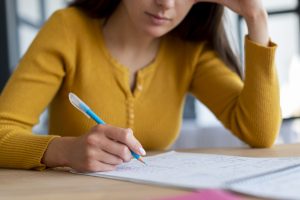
x,y
250,109
30,89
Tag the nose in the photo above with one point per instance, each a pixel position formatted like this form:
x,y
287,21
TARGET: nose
x,y
166,4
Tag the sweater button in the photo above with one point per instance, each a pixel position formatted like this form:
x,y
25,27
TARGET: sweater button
x,y
131,116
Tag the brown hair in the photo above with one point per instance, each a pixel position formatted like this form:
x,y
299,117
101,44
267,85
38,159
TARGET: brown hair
x,y
203,23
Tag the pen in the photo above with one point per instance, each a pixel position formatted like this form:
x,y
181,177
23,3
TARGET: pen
x,y
81,106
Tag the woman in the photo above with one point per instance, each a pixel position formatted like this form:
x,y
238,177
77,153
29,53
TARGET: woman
x,y
132,62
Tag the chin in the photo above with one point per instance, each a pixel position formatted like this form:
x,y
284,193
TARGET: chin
x,y
156,32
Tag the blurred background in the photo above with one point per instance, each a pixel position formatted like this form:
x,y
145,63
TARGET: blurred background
x,y
20,20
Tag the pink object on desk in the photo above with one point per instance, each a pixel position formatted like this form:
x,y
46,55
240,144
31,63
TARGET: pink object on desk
x,y
208,194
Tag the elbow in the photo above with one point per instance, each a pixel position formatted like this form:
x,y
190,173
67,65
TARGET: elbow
x,y
268,143
260,135
257,128
264,137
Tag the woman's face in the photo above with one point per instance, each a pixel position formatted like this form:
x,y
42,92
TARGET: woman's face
x,y
156,17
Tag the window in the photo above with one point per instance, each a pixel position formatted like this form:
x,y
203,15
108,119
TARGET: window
x,y
31,14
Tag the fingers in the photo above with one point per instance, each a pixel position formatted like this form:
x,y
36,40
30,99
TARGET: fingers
x,y
102,149
95,158
115,148
125,136
116,141
96,166
108,158
105,147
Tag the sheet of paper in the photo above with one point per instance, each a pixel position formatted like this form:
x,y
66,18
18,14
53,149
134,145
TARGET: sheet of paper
x,y
190,170
284,184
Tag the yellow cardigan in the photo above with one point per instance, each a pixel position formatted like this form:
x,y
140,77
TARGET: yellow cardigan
x,y
69,55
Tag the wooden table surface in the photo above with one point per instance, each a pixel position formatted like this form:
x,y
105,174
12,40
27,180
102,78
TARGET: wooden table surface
x,y
59,184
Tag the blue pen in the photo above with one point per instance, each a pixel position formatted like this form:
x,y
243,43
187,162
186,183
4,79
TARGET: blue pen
x,y
81,106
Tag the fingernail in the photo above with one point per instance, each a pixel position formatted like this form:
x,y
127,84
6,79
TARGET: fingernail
x,y
142,151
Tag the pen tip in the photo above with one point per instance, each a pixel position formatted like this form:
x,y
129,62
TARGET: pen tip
x,y
142,161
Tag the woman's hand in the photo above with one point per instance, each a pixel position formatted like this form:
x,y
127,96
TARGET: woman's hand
x,y
101,149
254,14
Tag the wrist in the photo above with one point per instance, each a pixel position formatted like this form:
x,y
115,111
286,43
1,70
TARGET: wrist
x,y
257,24
256,16
56,154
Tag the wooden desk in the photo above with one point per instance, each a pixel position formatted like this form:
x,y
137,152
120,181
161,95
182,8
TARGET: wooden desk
x,y
62,185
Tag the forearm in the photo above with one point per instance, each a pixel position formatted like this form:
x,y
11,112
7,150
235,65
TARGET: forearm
x,y
21,149
257,25
257,114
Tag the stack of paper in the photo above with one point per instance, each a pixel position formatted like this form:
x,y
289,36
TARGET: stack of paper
x,y
279,177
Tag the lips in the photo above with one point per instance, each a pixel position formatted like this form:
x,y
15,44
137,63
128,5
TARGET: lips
x,y
158,19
